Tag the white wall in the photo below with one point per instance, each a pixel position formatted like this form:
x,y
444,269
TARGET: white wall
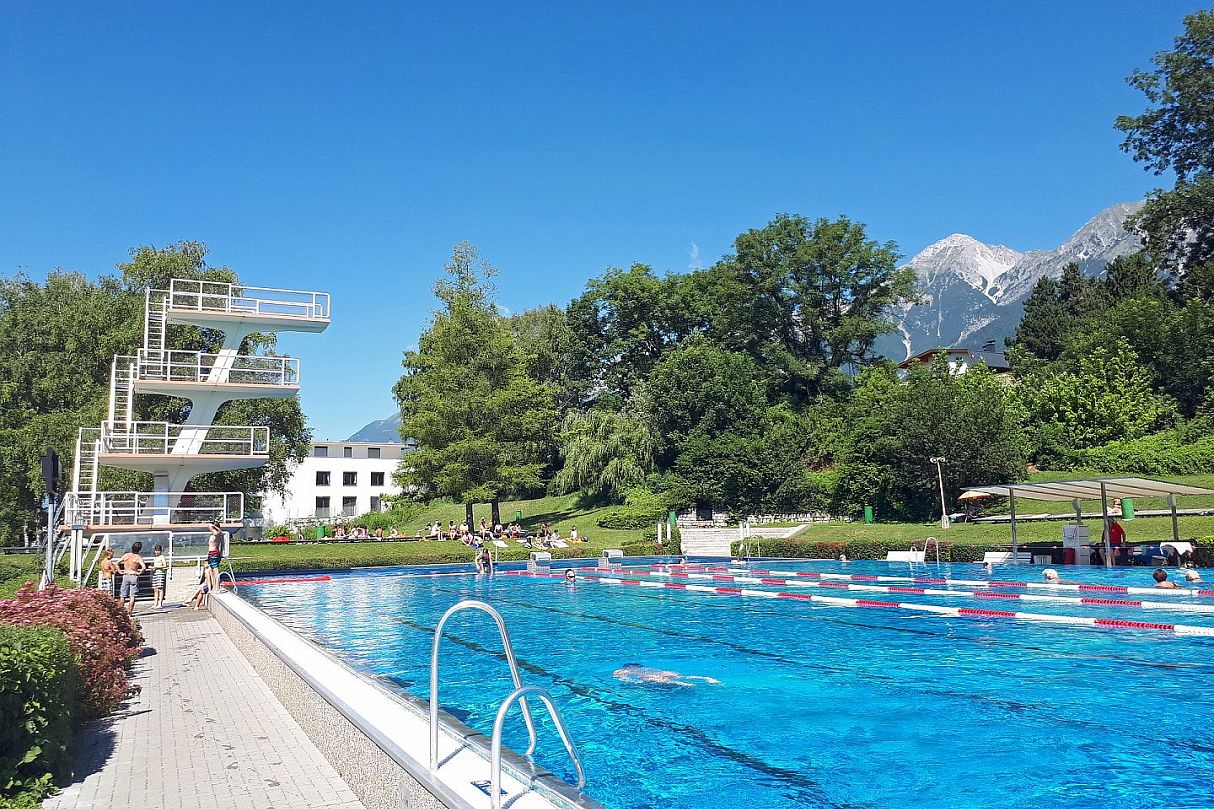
x,y
303,488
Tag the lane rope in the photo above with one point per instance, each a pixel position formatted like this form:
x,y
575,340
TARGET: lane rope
x,y
878,588
832,601
992,583
278,580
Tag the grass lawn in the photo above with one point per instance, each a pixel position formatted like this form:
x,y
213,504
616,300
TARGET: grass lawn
x,y
561,513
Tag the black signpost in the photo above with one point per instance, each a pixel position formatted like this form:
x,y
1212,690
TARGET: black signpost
x,y
50,477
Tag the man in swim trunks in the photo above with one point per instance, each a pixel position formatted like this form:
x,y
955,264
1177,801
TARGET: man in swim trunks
x,y
214,555
636,673
131,566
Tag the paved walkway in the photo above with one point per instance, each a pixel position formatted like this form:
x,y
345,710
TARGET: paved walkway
x,y
204,733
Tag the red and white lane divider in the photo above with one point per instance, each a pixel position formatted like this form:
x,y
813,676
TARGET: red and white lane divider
x,y
831,601
993,583
881,588
278,580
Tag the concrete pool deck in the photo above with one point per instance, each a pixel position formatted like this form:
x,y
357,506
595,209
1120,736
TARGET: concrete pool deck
x,y
205,731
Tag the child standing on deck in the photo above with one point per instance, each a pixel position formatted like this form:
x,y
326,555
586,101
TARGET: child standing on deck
x,y
160,568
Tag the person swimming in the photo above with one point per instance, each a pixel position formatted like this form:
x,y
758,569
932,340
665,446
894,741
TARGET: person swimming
x,y
636,673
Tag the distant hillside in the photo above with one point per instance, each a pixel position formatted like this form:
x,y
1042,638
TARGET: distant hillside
x,y
382,431
973,292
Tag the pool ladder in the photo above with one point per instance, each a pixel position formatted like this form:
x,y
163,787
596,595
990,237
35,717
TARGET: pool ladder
x,y
519,695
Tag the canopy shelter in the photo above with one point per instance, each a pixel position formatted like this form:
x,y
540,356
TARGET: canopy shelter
x,y
1089,489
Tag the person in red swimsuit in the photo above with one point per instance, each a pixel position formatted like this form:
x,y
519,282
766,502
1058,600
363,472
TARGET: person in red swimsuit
x,y
1116,540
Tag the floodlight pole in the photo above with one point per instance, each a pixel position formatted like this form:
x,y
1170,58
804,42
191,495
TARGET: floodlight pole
x,y
938,460
1175,526
1011,502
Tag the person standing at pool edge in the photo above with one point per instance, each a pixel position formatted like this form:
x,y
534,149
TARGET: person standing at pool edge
x,y
1116,537
132,565
214,555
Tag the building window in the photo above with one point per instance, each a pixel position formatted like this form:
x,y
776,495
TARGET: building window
x,y
320,452
377,478
349,506
322,478
349,478
322,508
374,504
348,452
372,452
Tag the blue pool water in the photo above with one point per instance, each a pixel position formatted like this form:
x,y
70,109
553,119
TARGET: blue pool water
x,y
817,706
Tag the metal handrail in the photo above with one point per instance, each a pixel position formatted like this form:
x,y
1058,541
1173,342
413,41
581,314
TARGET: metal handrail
x,y
199,366
231,575
216,296
471,604
143,508
931,541
495,750
162,437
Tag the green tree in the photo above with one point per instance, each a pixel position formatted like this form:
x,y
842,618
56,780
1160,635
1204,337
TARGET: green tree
x,y
1176,133
700,391
605,453
482,424
806,300
1105,395
1056,309
971,419
624,323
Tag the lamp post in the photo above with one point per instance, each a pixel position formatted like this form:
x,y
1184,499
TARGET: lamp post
x,y
938,461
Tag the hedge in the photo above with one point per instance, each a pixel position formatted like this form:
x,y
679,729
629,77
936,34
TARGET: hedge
x,y
103,638
39,700
867,549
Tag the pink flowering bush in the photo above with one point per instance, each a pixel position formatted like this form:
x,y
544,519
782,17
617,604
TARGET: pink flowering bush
x,y
103,638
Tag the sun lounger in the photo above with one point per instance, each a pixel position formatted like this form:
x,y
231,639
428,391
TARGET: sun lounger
x,y
500,544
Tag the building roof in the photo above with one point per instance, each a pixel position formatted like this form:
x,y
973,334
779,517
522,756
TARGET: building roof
x,y
995,360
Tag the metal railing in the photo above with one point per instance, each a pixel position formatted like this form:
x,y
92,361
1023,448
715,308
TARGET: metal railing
x,y
215,296
931,541
164,438
495,750
152,508
470,604
197,366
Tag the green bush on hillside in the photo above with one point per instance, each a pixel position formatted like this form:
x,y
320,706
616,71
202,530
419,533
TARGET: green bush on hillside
x,y
39,699
1164,453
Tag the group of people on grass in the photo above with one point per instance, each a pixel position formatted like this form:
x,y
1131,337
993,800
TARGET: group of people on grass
x,y
544,537
132,565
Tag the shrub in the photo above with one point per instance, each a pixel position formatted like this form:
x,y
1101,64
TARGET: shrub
x,y
103,638
1165,453
39,691
867,549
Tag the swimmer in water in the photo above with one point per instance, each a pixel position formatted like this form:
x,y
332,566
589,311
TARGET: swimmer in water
x,y
570,576
987,568
636,673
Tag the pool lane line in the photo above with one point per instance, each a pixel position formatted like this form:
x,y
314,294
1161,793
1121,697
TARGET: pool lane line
x,y
880,588
807,784
278,580
958,612
995,583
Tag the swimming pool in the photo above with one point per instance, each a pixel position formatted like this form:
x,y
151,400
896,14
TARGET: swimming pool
x,y
817,706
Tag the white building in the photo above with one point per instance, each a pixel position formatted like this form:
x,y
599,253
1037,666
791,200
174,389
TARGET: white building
x,y
338,479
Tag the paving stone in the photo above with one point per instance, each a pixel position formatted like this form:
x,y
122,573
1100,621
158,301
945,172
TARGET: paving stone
x,y
204,732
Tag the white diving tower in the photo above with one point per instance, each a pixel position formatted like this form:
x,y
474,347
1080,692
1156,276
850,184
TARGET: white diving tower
x,y
175,453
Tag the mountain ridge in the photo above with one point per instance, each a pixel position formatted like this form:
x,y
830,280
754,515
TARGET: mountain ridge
x,y
969,288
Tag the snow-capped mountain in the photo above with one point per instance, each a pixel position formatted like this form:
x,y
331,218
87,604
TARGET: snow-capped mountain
x,y
971,292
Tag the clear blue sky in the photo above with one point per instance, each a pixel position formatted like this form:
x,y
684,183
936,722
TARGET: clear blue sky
x,y
348,148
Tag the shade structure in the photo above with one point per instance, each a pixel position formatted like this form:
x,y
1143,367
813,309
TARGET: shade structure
x,y
974,495
1089,489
